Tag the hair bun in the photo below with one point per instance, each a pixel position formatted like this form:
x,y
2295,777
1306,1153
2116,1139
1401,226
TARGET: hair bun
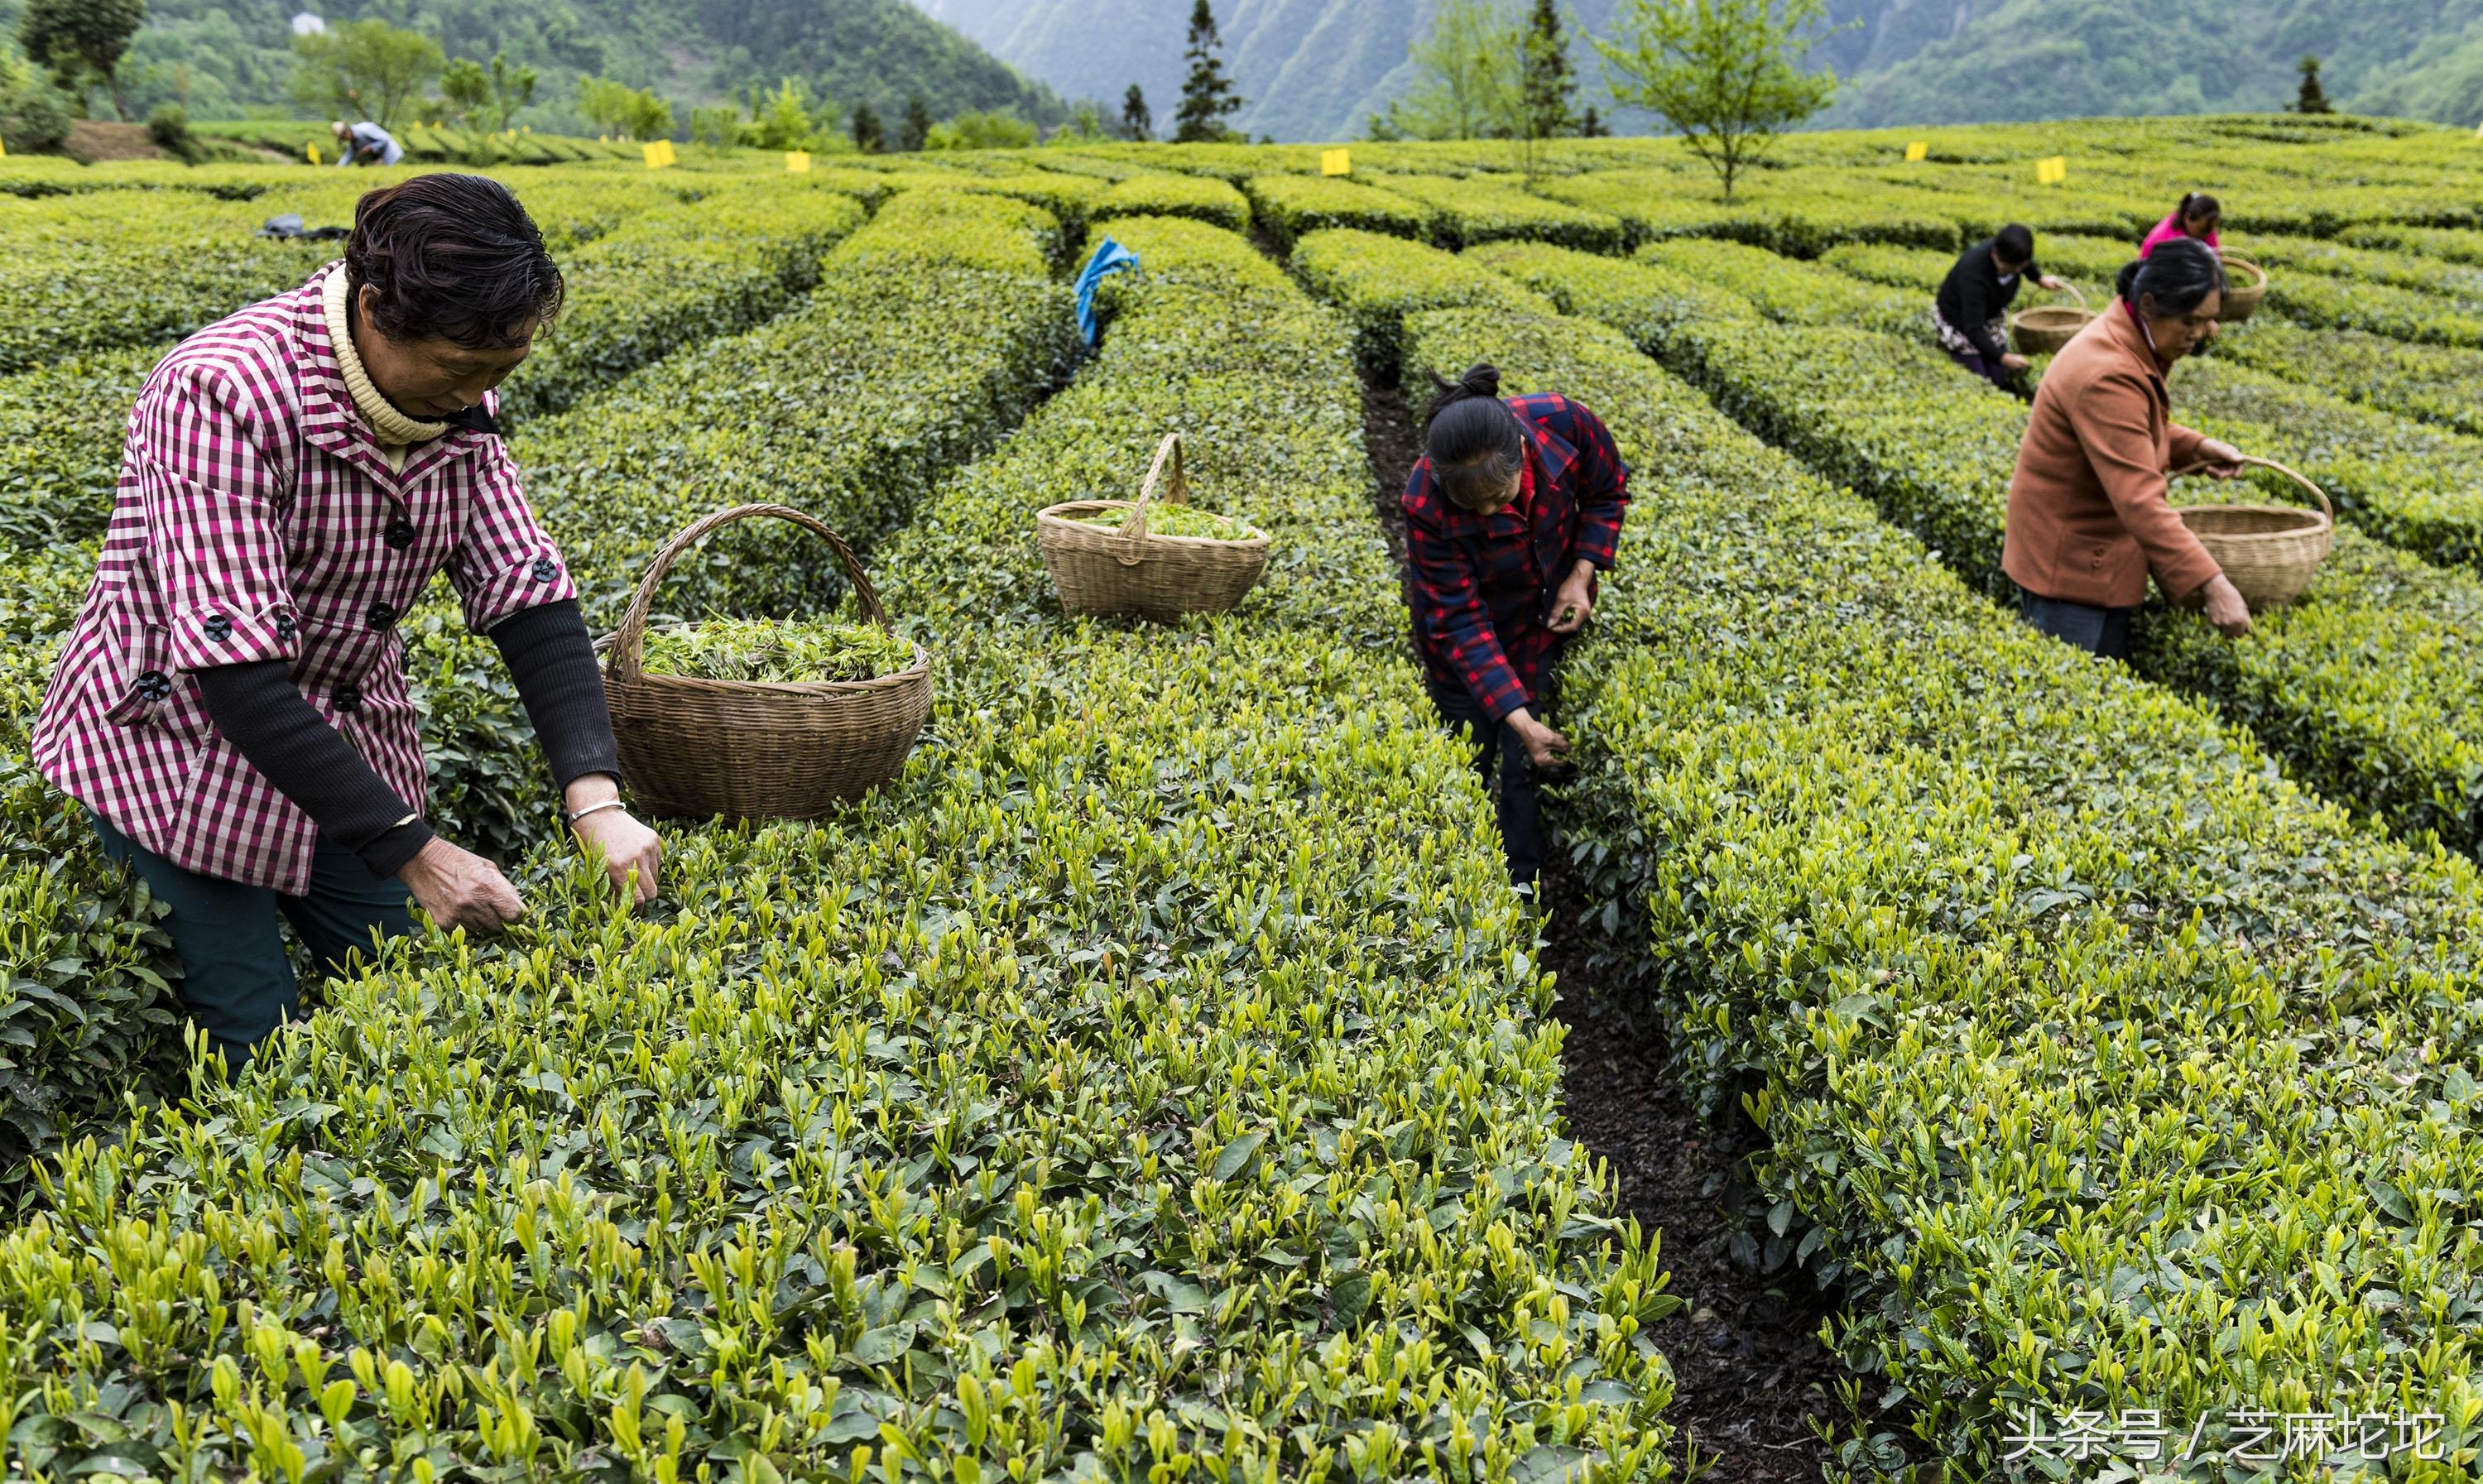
x,y
1482,380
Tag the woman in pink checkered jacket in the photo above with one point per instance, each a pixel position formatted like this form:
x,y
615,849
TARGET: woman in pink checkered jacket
x,y
231,706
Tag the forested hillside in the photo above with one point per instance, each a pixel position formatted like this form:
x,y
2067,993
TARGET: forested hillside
x,y
1316,68
220,56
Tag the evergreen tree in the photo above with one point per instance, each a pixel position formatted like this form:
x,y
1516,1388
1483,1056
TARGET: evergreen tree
x,y
1593,126
1549,90
2313,99
83,40
917,124
1206,94
1137,120
870,137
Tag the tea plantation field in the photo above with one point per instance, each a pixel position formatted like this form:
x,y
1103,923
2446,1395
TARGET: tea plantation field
x,y
1160,1080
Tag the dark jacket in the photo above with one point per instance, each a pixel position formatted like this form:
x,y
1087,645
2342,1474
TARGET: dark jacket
x,y
1973,295
1479,584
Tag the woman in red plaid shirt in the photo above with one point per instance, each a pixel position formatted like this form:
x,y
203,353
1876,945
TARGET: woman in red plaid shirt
x,y
1514,506
231,706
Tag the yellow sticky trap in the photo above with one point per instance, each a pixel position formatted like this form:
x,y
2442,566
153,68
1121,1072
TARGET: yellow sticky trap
x,y
799,161
658,153
2052,171
1336,162
1918,151
311,150
666,145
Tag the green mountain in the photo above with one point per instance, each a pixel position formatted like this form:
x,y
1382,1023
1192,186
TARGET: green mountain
x,y
224,56
1961,61
1305,69
1316,69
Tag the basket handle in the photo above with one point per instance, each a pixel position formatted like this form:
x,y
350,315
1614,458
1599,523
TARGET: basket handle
x,y
2317,493
1134,525
626,639
2074,292
2257,272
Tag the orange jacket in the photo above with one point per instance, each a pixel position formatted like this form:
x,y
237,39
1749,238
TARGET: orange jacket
x,y
2087,513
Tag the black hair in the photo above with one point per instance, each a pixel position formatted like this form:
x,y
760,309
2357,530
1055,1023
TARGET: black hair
x,y
454,257
2197,203
2179,274
2014,243
1472,437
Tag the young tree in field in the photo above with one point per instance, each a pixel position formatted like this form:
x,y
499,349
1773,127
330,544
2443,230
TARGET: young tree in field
x,y
2312,98
369,70
82,43
1726,74
1593,126
1546,91
1137,120
916,131
487,99
1468,76
616,107
869,136
717,124
1207,94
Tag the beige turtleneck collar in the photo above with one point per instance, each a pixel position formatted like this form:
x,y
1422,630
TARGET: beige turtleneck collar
x,y
393,430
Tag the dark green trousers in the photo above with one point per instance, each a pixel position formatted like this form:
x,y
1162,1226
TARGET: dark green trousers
x,y
237,981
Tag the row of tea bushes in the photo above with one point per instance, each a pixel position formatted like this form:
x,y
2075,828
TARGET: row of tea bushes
x,y
2458,286
125,268
1165,194
2455,245
1486,208
2355,686
2436,384
673,276
1290,207
1378,280
1792,292
1652,205
2102,1068
1153,1080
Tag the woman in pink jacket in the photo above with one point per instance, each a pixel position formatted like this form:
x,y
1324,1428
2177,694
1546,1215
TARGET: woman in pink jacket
x,y
2198,216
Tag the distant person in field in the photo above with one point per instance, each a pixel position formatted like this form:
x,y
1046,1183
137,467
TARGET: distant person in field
x,y
1971,314
231,706
2197,218
365,144
2088,517
1514,506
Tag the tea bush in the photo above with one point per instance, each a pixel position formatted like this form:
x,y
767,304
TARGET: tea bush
x,y
1491,208
1796,293
1203,197
1377,280
1290,207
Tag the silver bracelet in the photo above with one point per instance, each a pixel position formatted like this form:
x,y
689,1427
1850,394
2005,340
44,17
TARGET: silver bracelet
x,y
608,803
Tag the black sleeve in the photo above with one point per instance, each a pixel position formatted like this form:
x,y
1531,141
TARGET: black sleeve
x,y
553,662
258,709
1974,301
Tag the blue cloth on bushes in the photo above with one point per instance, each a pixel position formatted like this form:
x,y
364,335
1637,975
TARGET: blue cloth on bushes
x,y
1109,257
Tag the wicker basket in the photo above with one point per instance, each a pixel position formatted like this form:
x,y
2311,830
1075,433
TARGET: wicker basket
x,y
2267,551
1129,569
2241,301
697,749
2043,331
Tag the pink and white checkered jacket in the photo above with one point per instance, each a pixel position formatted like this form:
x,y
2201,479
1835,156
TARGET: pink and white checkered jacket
x,y
256,519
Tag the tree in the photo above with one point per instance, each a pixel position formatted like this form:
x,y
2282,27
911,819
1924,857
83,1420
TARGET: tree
x,y
2313,99
1137,120
32,114
616,107
917,123
869,136
717,124
784,119
1547,91
1593,126
982,129
82,41
1726,74
369,70
486,101
1207,94
1466,76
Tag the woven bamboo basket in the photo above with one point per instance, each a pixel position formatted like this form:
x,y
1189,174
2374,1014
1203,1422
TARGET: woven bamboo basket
x,y
2269,552
2241,301
1131,570
2043,331
693,748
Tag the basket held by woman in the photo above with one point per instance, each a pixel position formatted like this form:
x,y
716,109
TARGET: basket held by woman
x,y
2247,285
2268,553
1128,568
697,748
2045,330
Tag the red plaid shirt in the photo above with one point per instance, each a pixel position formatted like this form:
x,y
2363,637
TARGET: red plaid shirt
x,y
1478,584
256,519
